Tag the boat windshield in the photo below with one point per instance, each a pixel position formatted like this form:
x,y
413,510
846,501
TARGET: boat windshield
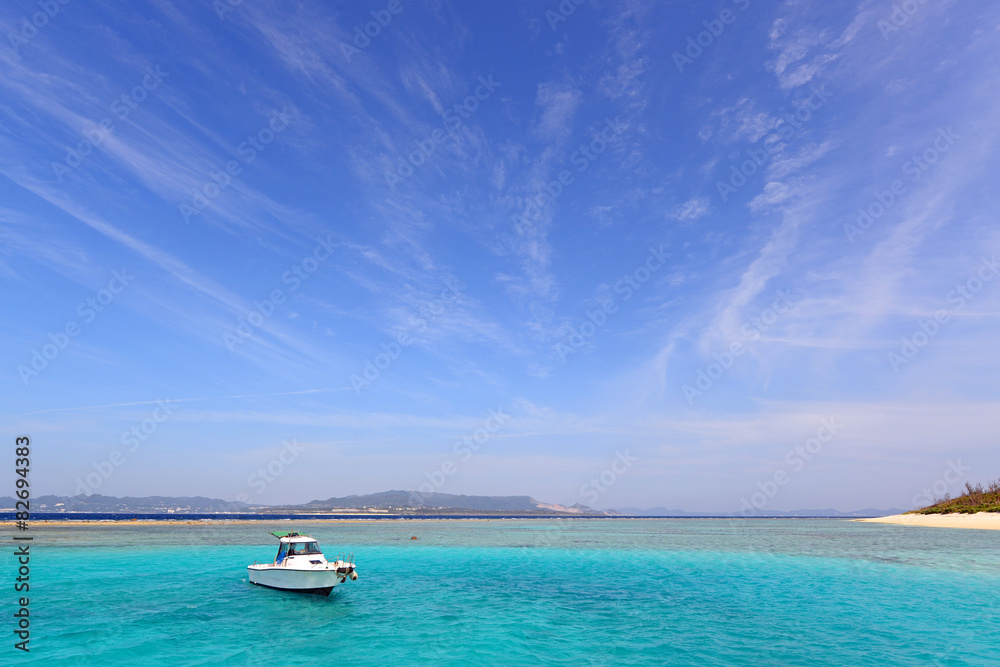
x,y
303,548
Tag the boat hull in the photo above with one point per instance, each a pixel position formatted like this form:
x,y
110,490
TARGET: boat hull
x,y
308,591
315,581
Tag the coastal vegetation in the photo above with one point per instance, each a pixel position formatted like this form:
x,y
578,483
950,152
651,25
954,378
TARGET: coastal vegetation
x,y
975,499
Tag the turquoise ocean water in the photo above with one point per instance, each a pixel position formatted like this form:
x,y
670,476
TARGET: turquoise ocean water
x,y
684,592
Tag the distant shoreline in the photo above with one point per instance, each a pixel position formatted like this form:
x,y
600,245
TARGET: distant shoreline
x,y
978,521
181,520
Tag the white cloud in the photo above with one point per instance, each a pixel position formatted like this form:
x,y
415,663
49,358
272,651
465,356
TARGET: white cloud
x,y
692,209
558,103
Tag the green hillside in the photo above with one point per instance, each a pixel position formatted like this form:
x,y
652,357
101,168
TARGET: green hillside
x,y
975,499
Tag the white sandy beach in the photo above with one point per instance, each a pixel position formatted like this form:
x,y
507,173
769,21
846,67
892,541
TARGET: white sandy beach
x,y
981,520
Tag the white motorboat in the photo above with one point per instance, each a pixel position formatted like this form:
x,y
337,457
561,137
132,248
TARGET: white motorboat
x,y
300,566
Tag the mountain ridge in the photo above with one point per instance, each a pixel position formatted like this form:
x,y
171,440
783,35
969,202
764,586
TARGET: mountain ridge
x,y
409,502
398,500
100,503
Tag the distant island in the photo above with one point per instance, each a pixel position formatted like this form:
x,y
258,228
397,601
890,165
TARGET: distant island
x,y
387,502
410,502
396,502
975,499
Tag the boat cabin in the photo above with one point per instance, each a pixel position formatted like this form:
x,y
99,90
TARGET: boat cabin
x,y
294,545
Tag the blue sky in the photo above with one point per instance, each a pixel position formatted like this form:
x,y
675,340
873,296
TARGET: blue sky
x,y
693,255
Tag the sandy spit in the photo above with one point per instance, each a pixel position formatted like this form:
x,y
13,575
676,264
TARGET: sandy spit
x,y
981,520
